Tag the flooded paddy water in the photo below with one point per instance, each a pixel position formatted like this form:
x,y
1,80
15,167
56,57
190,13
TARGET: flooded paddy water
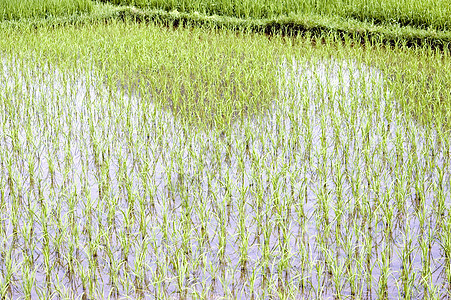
x,y
333,193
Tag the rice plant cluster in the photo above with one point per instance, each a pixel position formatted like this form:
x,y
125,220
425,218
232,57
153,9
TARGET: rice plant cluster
x,y
16,9
419,13
138,161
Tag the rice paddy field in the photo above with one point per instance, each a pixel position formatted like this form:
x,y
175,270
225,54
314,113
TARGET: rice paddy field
x,y
142,161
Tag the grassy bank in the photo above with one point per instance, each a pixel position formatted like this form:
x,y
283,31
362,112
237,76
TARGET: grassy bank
x,y
17,9
421,13
307,25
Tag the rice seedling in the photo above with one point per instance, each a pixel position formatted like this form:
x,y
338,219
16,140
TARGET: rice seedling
x,y
145,161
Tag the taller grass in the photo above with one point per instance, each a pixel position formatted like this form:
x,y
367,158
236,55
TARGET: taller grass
x,y
17,9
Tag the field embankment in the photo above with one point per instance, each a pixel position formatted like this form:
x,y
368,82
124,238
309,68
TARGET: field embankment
x,y
419,23
408,21
292,25
421,14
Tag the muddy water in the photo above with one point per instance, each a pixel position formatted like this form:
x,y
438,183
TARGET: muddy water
x,y
335,173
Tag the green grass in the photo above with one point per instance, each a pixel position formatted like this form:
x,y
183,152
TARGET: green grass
x,y
307,24
422,13
16,9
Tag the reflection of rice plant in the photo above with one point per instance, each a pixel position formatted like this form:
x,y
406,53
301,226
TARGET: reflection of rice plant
x,y
149,162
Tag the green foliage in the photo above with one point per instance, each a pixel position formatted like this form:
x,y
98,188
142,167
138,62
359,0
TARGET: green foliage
x,y
418,13
16,9
203,77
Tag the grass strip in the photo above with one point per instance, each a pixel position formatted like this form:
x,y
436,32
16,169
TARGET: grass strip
x,y
417,13
292,25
